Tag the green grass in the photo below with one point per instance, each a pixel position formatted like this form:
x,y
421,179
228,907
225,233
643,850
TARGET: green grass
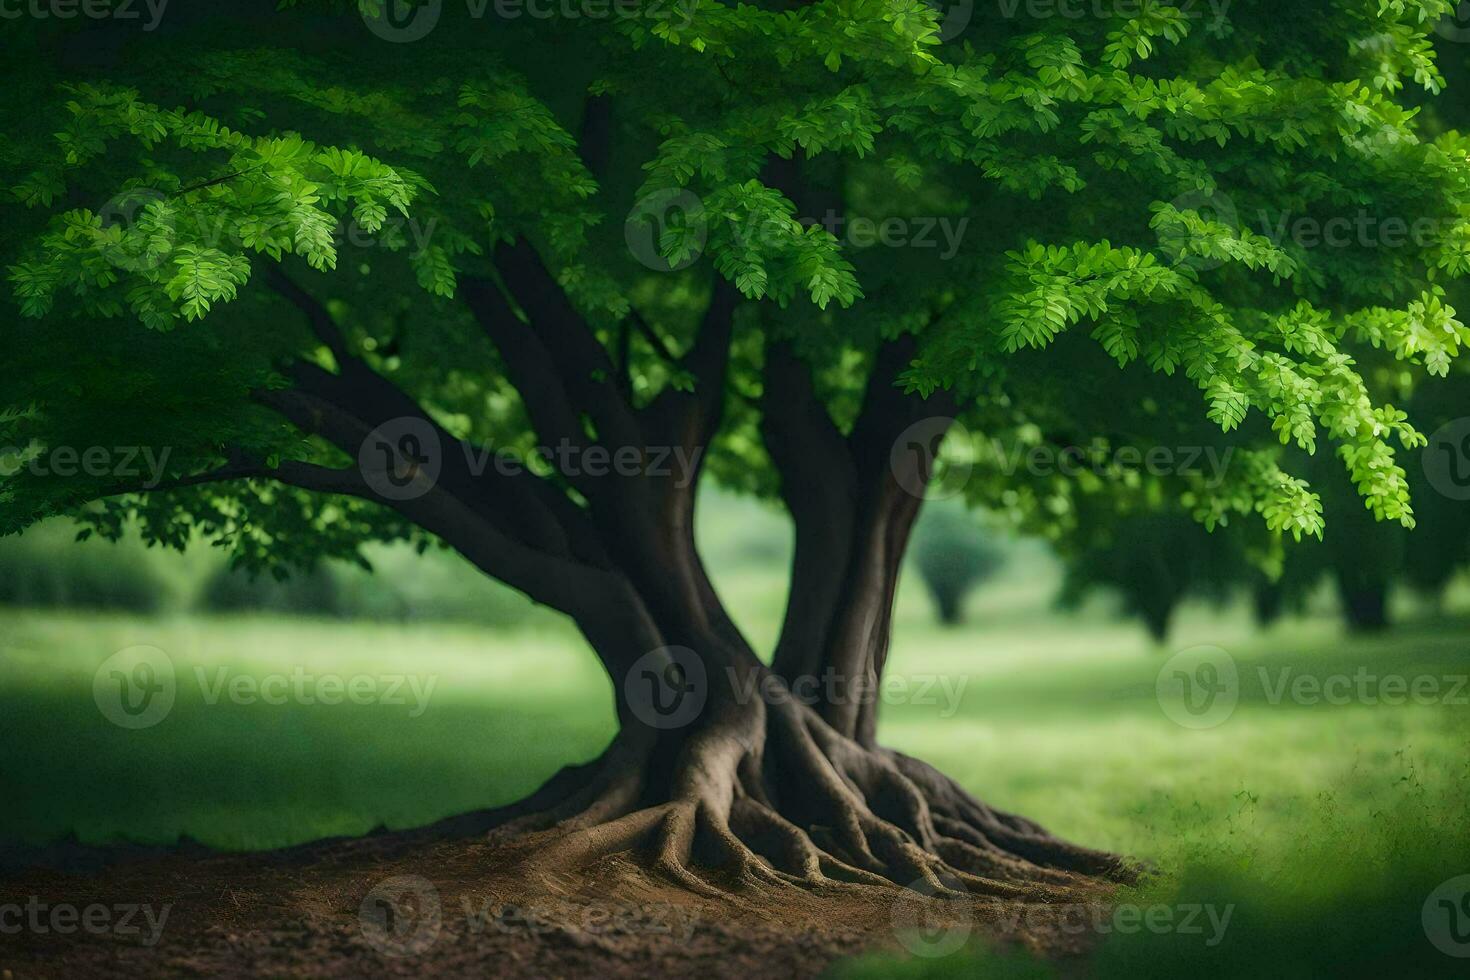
x,y
506,710
1319,818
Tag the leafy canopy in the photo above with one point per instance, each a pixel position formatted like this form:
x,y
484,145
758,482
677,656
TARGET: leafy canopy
x,y
1121,181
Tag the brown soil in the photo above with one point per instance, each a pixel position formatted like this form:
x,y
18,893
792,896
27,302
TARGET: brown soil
x,y
362,908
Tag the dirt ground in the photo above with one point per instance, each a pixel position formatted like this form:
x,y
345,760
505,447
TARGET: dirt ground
x,y
396,906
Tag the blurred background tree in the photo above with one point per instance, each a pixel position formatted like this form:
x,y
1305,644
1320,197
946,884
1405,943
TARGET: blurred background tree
x,y
953,555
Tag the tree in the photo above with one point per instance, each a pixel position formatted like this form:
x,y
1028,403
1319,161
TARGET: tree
x,y
346,288
1156,560
1360,556
1365,560
1433,557
953,556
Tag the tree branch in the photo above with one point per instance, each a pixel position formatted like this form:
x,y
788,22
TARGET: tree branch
x,y
587,372
533,371
317,316
659,345
818,483
596,136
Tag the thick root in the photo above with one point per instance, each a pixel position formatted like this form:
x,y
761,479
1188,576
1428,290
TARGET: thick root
x,y
775,799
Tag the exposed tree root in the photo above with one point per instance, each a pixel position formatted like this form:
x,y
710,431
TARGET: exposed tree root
x,y
773,798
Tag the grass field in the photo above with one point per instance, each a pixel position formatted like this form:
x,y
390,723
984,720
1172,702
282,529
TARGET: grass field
x,y
1296,810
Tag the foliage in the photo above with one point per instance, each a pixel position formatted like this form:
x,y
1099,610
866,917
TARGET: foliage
x,y
1366,560
230,590
46,569
953,555
1120,173
1155,561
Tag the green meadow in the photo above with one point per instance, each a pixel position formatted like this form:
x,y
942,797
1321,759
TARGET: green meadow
x,y
1302,811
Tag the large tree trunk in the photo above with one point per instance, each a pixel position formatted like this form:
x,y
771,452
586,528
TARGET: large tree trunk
x,y
726,772
725,776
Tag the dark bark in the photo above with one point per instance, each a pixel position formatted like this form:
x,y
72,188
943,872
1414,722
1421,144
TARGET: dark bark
x,y
855,500
724,771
